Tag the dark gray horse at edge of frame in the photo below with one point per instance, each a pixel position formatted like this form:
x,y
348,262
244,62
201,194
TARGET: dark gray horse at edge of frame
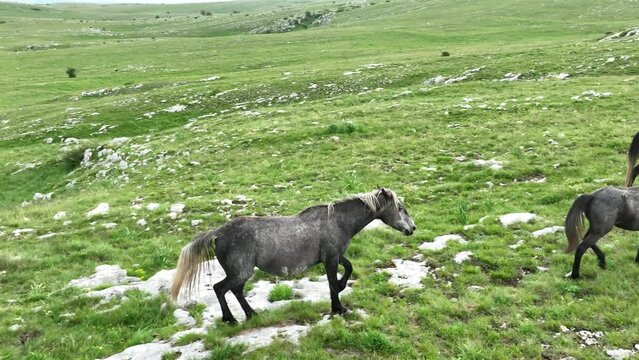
x,y
288,245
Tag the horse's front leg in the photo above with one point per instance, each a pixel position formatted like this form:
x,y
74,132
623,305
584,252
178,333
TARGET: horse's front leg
x,y
348,270
330,264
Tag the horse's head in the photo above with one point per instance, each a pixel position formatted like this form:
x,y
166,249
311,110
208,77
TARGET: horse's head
x,y
393,213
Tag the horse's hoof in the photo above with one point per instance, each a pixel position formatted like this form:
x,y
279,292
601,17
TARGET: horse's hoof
x,y
340,311
230,321
574,276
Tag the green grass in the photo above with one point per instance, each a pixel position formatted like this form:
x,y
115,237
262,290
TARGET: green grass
x,y
328,126
280,292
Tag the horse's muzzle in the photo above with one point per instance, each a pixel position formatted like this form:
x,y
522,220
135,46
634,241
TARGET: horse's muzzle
x,y
409,232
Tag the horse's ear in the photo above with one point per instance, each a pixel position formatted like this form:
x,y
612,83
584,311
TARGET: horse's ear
x,y
383,192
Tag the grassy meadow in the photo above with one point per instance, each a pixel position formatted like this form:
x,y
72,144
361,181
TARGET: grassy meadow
x,y
309,116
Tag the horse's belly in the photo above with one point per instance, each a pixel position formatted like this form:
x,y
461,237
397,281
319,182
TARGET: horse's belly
x,y
285,268
288,263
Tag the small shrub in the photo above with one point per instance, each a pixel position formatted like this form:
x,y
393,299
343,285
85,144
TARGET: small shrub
x,y
71,72
280,292
72,158
347,127
37,291
137,272
171,355
462,212
208,13
376,341
445,53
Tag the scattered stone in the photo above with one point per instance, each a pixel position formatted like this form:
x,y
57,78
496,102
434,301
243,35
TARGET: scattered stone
x,y
141,222
514,218
560,76
539,180
475,288
257,338
26,166
156,351
589,95
70,141
589,338
47,235
518,244
38,196
177,208
183,318
15,327
547,230
60,215
104,275
510,77
463,256
241,199
629,33
109,225
196,222
19,232
118,141
437,80
211,273
175,108
439,242
492,164
101,209
619,354
152,206
407,274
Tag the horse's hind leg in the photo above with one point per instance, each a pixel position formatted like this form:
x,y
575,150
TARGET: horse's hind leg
x,y
238,291
589,241
221,289
348,270
600,256
330,264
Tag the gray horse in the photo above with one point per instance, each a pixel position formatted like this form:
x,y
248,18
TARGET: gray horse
x,y
288,245
633,153
605,208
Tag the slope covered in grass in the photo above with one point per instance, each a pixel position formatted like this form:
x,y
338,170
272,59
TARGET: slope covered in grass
x,y
168,108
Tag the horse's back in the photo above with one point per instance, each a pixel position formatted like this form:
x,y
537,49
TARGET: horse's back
x,y
282,245
612,206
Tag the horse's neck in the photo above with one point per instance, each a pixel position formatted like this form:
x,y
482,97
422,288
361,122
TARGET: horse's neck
x,y
352,216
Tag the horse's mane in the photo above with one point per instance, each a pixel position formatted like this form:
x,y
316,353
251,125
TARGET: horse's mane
x,y
369,199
